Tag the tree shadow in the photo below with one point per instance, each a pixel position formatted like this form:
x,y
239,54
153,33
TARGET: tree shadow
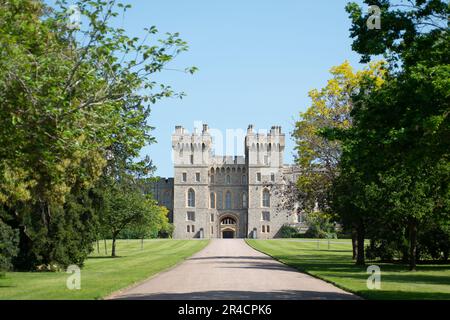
x,y
105,257
243,295
403,295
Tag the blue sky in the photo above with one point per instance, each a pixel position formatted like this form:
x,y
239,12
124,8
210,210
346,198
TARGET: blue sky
x,y
257,60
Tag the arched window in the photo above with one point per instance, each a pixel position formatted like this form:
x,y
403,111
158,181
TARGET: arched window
x,y
244,179
228,221
244,200
228,200
191,198
212,200
266,198
228,179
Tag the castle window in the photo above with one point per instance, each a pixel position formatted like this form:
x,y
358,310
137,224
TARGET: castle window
x,y
266,198
193,228
212,178
244,179
228,179
272,177
197,176
265,216
263,228
228,200
219,200
258,177
212,217
244,200
192,159
191,198
188,228
190,216
166,199
268,228
212,198
228,221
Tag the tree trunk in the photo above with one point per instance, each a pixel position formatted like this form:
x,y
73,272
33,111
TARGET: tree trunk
x,y
106,250
113,246
360,259
412,245
354,243
98,247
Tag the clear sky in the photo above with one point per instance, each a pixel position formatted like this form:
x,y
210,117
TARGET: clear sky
x,y
257,60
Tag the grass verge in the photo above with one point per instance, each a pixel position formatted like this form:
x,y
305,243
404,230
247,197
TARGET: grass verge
x,y
334,264
102,274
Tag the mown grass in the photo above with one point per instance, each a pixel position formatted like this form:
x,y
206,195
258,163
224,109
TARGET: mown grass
x,y
335,265
102,274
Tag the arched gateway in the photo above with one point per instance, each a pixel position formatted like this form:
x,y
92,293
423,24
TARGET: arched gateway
x,y
228,227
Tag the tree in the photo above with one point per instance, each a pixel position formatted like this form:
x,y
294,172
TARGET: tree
x,y
318,155
399,141
126,206
67,96
152,226
8,246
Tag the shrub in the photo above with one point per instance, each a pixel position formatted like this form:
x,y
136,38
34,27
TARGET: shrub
x,y
9,240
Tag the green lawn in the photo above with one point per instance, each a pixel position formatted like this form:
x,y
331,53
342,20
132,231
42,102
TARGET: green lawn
x,y
101,274
335,265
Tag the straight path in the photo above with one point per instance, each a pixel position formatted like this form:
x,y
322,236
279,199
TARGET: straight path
x,y
231,269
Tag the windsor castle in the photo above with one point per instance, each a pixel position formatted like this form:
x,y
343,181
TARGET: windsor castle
x,y
226,196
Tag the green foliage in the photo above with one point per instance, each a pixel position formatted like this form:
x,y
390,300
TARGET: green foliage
x,y
395,161
320,225
9,240
70,98
154,225
330,108
287,231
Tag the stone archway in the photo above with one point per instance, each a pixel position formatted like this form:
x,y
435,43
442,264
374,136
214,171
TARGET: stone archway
x,y
228,226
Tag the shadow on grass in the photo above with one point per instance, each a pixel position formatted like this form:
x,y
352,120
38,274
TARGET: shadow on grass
x,y
403,295
105,257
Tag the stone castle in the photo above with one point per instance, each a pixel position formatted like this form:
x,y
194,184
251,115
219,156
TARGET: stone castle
x,y
226,196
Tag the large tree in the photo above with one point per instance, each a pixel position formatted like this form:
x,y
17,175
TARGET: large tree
x,y
398,144
318,156
67,96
